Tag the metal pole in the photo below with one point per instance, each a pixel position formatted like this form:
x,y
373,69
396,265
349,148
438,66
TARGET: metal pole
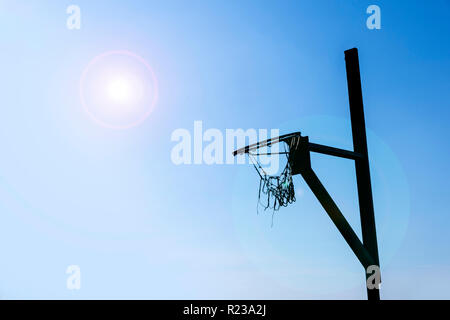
x,y
366,209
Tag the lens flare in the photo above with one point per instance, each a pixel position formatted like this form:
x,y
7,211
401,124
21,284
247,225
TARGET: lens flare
x,y
118,89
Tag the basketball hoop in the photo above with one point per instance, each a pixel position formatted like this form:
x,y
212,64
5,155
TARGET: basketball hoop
x,y
275,190
279,189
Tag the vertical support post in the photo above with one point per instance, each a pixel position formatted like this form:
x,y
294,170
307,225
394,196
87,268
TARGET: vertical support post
x,y
362,165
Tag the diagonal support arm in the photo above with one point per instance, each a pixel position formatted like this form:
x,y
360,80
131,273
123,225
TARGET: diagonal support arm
x,y
337,217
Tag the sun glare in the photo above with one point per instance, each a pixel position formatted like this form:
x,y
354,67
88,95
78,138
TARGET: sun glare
x,y
124,90
118,89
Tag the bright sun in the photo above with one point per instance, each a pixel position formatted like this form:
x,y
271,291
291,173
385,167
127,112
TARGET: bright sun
x,y
120,90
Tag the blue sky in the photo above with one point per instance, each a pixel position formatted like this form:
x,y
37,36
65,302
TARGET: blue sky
x,y
73,192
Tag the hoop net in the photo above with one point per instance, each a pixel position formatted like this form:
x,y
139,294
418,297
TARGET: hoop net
x,y
275,191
